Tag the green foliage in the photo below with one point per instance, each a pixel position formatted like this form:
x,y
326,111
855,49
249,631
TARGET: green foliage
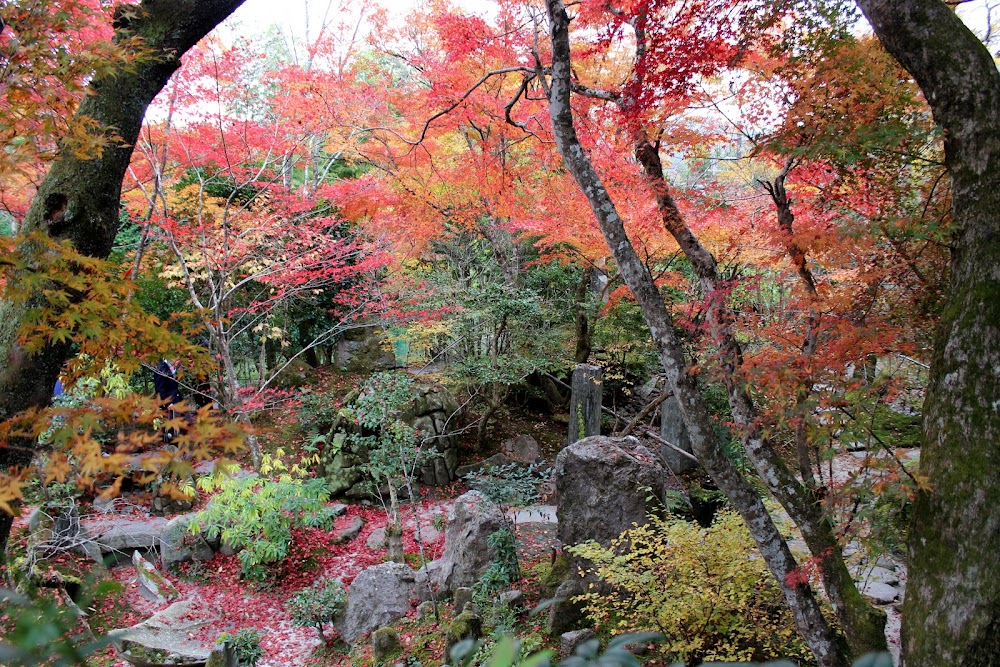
x,y
257,514
623,348
317,604
509,485
502,572
43,631
246,645
697,587
394,448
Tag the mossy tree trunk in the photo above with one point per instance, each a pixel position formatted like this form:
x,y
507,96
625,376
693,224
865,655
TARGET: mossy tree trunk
x,y
951,615
79,199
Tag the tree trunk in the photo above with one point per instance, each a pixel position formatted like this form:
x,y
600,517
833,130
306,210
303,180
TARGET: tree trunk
x,y
951,615
800,598
863,624
79,199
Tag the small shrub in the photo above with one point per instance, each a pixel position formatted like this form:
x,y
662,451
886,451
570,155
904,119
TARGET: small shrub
x,y
257,514
317,605
246,645
697,586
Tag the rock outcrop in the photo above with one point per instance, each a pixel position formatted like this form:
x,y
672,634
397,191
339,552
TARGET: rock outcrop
x,y
376,597
467,552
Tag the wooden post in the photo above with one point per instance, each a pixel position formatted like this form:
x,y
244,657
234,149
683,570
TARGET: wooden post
x,y
585,403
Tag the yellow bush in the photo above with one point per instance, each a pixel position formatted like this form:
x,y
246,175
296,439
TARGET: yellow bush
x,y
705,589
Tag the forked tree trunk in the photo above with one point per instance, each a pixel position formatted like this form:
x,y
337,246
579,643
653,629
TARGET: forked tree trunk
x,y
79,200
951,615
862,623
809,620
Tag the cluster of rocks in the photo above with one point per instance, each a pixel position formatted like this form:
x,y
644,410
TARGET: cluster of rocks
x,y
433,411
882,580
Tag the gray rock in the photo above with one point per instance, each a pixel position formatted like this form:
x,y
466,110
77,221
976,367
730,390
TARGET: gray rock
x,y
350,531
152,585
121,534
378,596
852,548
568,641
600,483
428,535
178,544
432,410
169,633
376,539
364,350
425,609
565,614
887,563
467,553
466,625
876,575
462,597
523,448
513,599
384,642
879,593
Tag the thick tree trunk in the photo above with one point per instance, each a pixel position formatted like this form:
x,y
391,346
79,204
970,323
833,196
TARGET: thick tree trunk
x,y
79,200
800,598
951,615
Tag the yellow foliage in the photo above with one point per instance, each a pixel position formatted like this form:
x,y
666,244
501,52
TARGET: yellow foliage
x,y
705,589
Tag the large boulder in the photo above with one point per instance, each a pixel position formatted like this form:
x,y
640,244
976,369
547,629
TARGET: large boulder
x,y
178,544
467,552
123,535
602,486
376,597
364,350
168,636
434,412
523,448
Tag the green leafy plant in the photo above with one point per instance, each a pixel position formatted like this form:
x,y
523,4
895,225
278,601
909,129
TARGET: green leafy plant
x,y
509,486
395,452
257,514
694,585
245,644
317,605
41,631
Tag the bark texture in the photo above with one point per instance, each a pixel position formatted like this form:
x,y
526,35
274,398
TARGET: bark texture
x,y
951,615
79,200
801,600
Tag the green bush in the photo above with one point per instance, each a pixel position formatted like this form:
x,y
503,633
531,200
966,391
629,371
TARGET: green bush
x,y
697,586
257,515
317,605
246,646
